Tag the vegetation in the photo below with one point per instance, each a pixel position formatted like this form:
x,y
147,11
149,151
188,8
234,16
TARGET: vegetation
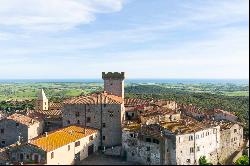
x,y
243,160
203,161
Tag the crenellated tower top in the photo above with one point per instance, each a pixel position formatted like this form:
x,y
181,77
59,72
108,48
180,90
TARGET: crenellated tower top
x,y
113,75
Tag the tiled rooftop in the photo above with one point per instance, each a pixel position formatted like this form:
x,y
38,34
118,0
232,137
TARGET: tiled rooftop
x,y
158,111
55,105
61,137
97,98
135,102
22,119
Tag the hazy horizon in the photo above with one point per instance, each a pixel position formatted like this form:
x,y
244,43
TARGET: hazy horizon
x,y
193,39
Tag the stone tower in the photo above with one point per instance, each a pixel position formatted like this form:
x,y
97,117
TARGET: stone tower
x,y
114,83
42,102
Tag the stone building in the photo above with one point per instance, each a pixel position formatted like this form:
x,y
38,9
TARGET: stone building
x,y
18,127
114,83
219,114
66,146
231,135
101,111
171,143
49,111
104,111
158,115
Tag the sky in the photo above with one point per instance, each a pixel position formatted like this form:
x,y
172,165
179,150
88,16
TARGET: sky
x,y
59,39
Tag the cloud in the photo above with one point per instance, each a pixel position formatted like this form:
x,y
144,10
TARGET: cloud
x,y
53,14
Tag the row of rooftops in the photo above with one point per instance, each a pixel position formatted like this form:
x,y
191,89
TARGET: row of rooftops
x,y
205,112
184,126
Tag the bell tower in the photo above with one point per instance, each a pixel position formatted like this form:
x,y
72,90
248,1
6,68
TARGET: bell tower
x,y
42,102
114,83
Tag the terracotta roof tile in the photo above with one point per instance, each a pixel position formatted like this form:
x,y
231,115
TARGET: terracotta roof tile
x,y
26,120
97,98
61,137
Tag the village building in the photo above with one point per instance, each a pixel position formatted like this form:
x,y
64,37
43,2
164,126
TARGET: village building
x,y
218,114
171,143
66,146
18,127
158,115
100,111
134,107
231,135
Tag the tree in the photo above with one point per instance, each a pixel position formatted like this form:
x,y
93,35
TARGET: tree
x,y
243,160
203,161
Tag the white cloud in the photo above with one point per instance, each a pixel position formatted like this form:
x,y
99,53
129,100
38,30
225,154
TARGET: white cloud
x,y
53,14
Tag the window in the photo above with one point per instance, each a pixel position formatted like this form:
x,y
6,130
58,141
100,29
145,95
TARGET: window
x,y
214,131
68,122
68,147
148,139
104,105
132,135
78,121
197,136
88,119
52,155
198,148
111,113
91,138
17,124
191,138
3,142
103,138
148,148
148,159
188,160
133,154
2,131
156,141
235,130
104,125
27,157
77,114
191,150
77,144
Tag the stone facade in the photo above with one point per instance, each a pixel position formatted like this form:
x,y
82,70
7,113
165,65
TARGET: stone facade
x,y
18,127
142,148
231,140
99,116
157,145
114,83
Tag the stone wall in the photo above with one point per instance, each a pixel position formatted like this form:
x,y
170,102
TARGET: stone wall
x,y
11,130
108,118
231,140
139,150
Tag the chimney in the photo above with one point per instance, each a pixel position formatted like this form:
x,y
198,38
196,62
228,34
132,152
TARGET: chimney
x,y
46,134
